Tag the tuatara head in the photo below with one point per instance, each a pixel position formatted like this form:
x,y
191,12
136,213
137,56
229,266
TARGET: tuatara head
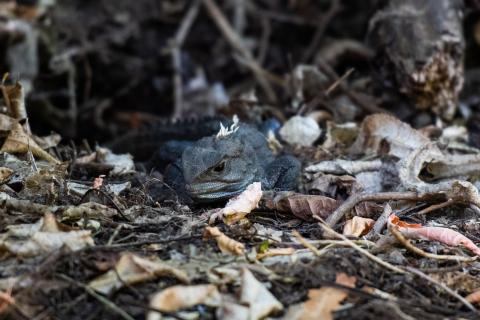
x,y
217,168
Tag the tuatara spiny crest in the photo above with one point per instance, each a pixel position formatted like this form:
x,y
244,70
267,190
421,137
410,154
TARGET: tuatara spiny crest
x,y
221,166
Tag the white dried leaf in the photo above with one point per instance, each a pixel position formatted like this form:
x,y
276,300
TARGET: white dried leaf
x,y
302,131
254,294
238,207
42,237
177,298
122,163
131,269
382,133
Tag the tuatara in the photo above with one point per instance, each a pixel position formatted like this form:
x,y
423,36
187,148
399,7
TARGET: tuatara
x,y
218,166
221,166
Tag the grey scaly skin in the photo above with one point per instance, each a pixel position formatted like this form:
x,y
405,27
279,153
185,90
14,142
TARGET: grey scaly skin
x,y
216,168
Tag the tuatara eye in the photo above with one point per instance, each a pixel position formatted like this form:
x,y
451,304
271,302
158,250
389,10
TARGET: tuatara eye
x,y
219,167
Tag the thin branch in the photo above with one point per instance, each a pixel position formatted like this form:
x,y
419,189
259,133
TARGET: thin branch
x,y
352,244
407,244
355,199
443,286
236,42
107,303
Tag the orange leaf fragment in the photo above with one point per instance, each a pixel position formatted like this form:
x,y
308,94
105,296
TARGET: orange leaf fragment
x,y
226,244
473,297
322,302
358,226
6,299
304,206
444,235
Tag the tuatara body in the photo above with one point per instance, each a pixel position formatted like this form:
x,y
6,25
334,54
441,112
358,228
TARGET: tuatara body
x,y
220,165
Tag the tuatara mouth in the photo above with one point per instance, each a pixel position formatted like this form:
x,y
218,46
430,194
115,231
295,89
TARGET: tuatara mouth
x,y
214,191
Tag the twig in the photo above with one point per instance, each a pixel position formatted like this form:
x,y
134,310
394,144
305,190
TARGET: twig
x,y
443,286
305,243
434,207
407,244
115,234
329,72
175,53
350,243
322,96
337,82
380,223
335,7
234,40
353,200
107,303
142,243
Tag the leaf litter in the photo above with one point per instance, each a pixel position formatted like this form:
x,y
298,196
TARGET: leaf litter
x,y
384,222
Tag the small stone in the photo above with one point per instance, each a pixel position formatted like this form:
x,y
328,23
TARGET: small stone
x,y
298,130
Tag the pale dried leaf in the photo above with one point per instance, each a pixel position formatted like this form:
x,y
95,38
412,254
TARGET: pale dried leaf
x,y
20,142
131,269
5,174
49,141
237,208
89,158
473,297
385,134
275,252
226,244
177,298
7,123
43,237
329,184
122,163
357,226
6,300
444,235
340,135
260,301
341,166
301,131
303,206
232,311
322,302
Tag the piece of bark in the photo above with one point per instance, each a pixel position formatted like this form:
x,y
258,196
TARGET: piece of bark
x,y
419,49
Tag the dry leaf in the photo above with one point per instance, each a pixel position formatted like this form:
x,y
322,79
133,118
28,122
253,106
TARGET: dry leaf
x,y
97,183
89,158
176,298
43,237
340,135
303,206
329,184
299,130
6,300
358,226
5,174
49,141
20,142
226,244
237,208
7,123
16,102
131,269
260,301
340,166
276,252
385,134
322,302
122,163
444,235
473,297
